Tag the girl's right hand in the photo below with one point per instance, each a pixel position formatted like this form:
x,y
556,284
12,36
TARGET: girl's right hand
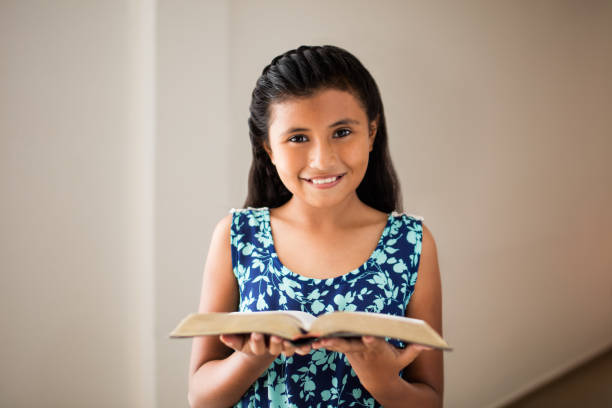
x,y
255,345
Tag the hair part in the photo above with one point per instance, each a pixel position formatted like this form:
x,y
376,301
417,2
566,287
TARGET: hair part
x,y
301,73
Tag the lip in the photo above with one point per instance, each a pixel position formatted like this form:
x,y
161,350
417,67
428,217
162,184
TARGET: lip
x,y
338,178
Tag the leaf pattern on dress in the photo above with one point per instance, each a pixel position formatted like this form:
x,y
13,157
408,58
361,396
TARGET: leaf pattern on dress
x,y
383,284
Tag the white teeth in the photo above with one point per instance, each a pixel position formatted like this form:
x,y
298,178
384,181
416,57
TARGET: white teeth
x,y
324,181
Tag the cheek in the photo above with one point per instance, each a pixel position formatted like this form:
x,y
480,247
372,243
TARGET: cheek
x,y
357,156
288,161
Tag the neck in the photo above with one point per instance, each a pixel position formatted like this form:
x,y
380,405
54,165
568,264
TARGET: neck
x,y
320,217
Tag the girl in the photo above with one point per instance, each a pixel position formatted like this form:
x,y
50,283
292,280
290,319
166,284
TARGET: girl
x,y
320,233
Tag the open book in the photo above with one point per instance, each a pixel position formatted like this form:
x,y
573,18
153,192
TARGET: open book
x,y
301,327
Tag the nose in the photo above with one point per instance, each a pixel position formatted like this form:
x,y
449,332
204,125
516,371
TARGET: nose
x,y
322,155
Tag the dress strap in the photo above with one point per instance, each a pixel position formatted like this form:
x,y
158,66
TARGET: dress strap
x,y
240,210
417,217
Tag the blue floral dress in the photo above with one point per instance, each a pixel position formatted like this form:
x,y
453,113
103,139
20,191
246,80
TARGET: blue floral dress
x,y
383,284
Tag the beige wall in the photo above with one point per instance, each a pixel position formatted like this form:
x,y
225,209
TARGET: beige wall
x,y
499,128
76,174
193,163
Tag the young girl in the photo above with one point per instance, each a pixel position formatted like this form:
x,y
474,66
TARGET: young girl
x,y
319,233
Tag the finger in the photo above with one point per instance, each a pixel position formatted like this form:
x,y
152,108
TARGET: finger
x,y
288,348
409,354
303,349
374,344
257,344
276,345
343,345
234,341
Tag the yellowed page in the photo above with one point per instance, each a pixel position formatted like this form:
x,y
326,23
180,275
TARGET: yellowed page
x,y
278,323
373,324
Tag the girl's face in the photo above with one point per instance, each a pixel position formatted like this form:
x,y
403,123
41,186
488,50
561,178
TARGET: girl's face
x,y
320,146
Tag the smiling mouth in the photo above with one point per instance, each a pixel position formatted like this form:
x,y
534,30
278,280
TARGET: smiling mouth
x,y
324,180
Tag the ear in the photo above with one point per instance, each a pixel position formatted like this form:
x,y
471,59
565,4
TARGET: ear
x,y
268,150
373,128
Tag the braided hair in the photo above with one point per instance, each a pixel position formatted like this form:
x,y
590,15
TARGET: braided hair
x,y
301,73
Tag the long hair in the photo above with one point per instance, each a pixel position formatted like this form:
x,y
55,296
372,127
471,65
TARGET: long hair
x,y
302,72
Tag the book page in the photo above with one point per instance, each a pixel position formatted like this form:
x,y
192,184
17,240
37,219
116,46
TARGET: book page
x,y
381,325
306,319
303,327
202,324
287,324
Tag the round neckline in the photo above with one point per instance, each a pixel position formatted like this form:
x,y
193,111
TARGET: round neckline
x,y
284,270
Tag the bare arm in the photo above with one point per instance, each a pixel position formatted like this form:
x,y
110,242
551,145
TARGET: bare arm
x,y
223,368
218,376
426,304
377,363
424,377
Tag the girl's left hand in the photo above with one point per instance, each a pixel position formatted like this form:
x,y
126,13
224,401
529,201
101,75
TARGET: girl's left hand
x,y
376,362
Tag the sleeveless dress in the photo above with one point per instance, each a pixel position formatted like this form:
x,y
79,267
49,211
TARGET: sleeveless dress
x,y
383,284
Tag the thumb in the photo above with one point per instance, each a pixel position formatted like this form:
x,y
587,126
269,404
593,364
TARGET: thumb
x,y
374,343
232,341
410,353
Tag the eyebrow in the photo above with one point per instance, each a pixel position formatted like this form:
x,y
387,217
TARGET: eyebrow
x,y
346,121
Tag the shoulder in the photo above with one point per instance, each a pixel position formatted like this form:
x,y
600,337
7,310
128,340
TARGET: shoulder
x,y
429,250
218,286
221,235
427,292
428,264
223,225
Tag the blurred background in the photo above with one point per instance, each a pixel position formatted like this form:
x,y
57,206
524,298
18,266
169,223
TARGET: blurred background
x,y
123,140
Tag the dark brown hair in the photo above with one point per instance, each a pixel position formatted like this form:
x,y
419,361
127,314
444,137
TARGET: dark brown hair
x,y
302,72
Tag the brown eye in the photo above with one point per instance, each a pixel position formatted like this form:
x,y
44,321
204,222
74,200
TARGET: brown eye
x,y
298,139
342,132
